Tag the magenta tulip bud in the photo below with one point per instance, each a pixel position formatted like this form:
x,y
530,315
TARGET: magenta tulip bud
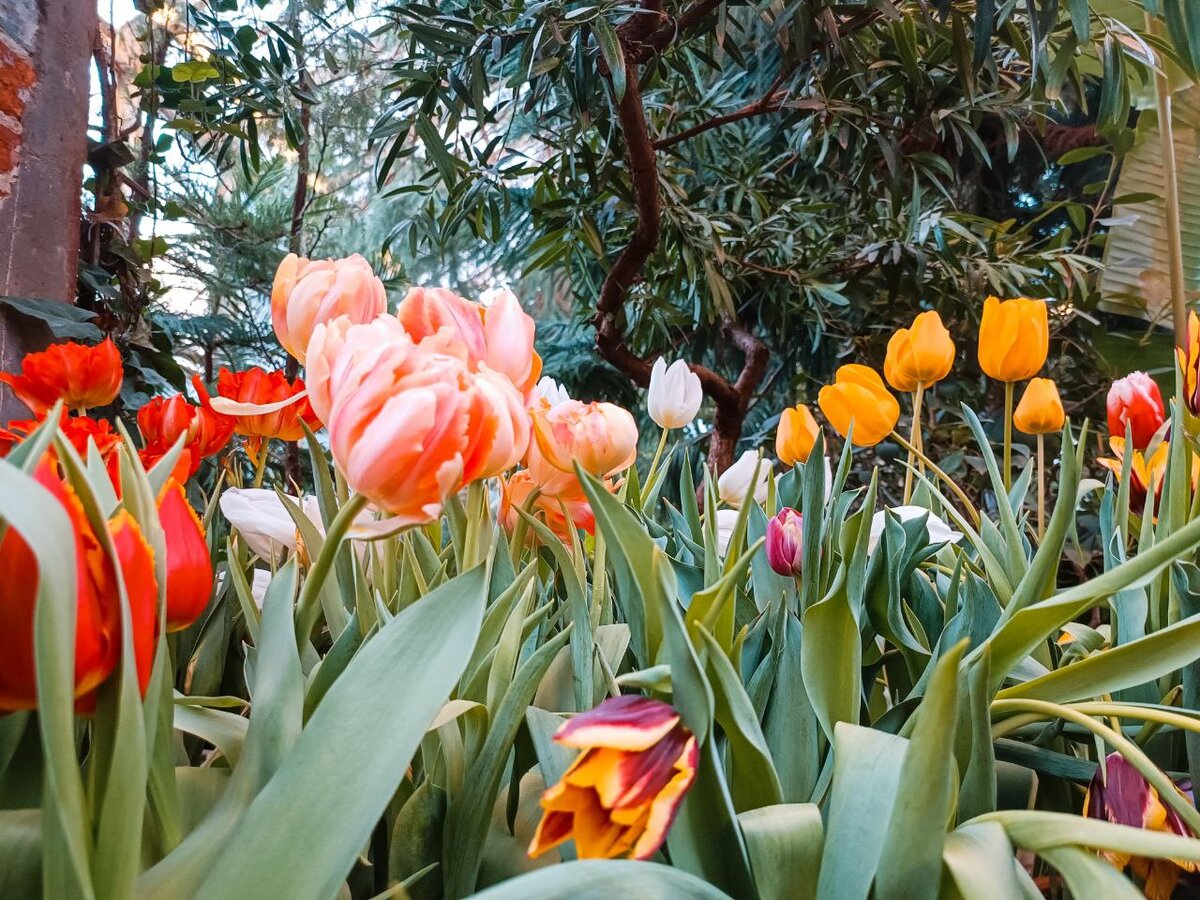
x,y
785,549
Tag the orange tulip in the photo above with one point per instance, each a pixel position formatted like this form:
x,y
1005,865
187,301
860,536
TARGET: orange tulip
x,y
97,621
79,375
189,565
508,332
141,586
409,425
620,795
1014,338
1040,410
308,292
921,355
81,431
858,397
796,434
164,420
601,437
562,512
259,388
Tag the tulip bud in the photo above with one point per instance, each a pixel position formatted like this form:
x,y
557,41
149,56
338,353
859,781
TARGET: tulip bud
x,y
262,520
1040,410
1014,338
937,529
919,356
858,397
189,565
796,434
785,542
734,483
1136,402
549,393
675,394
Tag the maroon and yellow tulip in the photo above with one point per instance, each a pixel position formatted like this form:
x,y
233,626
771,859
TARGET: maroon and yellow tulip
x,y
620,796
1121,795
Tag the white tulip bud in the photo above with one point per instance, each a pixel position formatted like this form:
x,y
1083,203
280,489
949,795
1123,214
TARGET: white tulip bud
x,y
939,531
675,394
734,483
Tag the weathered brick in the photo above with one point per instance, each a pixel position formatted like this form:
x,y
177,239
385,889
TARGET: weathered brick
x,y
16,77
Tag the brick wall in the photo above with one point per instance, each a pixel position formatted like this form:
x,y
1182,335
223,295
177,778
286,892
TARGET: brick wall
x,y
16,79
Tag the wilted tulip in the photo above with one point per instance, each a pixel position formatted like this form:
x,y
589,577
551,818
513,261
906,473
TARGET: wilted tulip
x,y
1188,357
734,484
189,565
919,356
1135,402
620,795
308,292
939,532
858,397
601,437
1040,410
675,395
785,542
796,434
1014,338
1120,794
97,615
79,375
1145,475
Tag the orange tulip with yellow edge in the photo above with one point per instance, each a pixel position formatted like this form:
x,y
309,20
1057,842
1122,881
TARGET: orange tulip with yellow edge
x,y
1189,363
1014,338
858,396
920,355
796,434
1040,410
1145,473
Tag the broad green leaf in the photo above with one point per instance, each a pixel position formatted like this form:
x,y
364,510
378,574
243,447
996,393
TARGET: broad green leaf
x,y
784,842
429,641
982,863
602,880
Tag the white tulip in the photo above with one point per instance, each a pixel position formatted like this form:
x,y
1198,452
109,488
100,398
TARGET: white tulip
x,y
734,483
264,522
939,531
726,520
258,587
675,394
551,391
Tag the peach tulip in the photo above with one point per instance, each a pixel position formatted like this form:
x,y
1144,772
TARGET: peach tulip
x,y
601,437
561,512
306,293
508,334
425,311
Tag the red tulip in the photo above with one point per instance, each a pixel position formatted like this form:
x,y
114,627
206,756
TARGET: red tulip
x,y
164,420
1136,402
189,566
79,375
97,616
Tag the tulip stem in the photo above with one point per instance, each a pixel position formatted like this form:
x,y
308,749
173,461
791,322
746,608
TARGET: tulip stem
x,y
1041,493
260,464
1008,417
662,445
917,440
936,470
309,603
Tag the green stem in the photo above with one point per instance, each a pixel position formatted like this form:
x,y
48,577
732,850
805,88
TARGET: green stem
x,y
662,443
1008,415
309,603
915,437
946,479
260,464
1041,493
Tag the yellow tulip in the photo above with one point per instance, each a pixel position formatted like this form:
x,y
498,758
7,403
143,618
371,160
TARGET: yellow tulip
x,y
1014,338
858,396
1040,410
796,435
920,355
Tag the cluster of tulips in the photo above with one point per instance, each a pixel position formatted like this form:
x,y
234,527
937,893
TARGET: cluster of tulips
x,y
444,393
